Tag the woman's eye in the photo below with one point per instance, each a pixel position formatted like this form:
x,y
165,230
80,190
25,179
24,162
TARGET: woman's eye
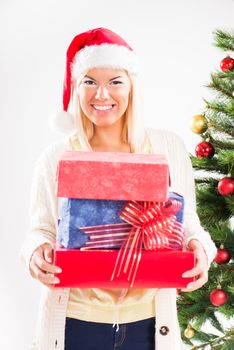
x,y
115,82
88,81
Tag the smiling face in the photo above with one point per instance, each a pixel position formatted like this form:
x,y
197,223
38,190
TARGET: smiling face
x,y
104,95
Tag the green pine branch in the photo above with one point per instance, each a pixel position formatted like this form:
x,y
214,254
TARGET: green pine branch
x,y
212,165
218,143
226,158
227,75
223,86
230,288
204,337
220,122
205,181
224,40
211,206
230,203
227,309
221,129
226,108
223,234
225,342
228,345
216,323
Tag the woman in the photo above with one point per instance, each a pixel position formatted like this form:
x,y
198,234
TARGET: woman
x,y
102,81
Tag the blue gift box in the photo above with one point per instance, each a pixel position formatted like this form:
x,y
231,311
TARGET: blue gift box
x,y
77,213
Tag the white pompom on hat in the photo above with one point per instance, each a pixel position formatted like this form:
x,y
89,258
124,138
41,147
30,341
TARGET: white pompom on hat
x,y
98,47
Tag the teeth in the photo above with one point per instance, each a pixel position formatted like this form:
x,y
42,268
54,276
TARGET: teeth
x,y
102,108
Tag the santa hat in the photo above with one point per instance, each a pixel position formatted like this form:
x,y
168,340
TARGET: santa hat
x,y
98,47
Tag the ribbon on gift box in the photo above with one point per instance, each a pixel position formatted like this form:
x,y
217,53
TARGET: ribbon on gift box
x,y
148,225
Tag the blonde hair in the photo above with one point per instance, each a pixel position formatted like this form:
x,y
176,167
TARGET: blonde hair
x,y
133,133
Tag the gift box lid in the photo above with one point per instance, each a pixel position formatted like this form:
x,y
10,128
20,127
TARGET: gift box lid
x,y
113,175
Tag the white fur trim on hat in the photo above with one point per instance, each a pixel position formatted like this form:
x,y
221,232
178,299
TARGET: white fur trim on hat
x,y
104,55
62,122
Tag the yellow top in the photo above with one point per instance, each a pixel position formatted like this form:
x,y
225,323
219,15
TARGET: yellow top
x,y
102,305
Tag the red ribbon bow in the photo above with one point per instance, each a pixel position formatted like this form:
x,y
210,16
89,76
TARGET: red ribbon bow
x,y
154,227
148,225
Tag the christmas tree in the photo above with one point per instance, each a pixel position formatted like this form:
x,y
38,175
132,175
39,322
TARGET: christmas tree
x,y
214,178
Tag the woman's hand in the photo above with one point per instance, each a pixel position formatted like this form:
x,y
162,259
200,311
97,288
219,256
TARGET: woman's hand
x,y
41,265
200,270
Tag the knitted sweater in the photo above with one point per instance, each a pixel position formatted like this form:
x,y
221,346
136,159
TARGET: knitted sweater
x,y
43,228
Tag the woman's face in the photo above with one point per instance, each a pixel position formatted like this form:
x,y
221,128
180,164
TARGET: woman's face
x,y
104,95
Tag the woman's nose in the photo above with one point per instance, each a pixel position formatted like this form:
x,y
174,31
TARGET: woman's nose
x,y
102,92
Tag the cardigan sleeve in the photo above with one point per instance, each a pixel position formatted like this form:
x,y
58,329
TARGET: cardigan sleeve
x,y
184,176
42,211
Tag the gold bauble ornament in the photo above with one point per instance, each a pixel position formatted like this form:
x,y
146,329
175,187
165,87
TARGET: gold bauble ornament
x,y
189,332
198,124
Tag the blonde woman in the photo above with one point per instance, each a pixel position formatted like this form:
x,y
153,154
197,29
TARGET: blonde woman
x,y
102,88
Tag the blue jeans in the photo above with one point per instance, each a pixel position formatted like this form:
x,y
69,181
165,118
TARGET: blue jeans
x,y
83,335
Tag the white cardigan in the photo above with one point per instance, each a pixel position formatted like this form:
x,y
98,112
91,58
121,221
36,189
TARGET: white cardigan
x,y
44,214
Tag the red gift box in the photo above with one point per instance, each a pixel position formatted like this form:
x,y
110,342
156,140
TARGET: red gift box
x,y
90,269
113,176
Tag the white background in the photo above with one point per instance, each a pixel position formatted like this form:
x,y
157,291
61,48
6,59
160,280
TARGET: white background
x,y
173,40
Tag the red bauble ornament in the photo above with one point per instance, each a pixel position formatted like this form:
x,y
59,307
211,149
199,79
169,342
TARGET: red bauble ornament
x,y
222,256
218,297
204,150
226,186
227,64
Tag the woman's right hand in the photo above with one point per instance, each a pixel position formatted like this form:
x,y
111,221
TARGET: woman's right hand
x,y
41,265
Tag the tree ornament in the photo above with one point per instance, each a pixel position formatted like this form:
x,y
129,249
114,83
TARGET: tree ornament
x,y
204,150
218,297
198,124
223,256
178,292
189,332
227,64
226,186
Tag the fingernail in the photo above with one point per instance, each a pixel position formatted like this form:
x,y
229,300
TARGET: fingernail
x,y
58,270
56,280
190,285
184,274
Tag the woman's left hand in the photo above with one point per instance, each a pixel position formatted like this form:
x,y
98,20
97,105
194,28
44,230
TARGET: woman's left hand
x,y
200,270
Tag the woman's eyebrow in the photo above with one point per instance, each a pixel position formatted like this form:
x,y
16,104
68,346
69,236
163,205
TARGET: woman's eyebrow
x,y
86,76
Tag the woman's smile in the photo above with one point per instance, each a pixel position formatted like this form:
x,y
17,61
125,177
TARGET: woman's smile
x,y
103,108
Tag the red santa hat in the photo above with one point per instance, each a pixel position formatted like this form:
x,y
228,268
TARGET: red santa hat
x,y
98,47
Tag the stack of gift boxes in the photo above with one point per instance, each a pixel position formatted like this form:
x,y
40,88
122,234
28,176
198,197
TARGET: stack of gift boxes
x,y
119,226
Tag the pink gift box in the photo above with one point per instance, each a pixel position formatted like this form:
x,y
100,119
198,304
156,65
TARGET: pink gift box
x,y
113,176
